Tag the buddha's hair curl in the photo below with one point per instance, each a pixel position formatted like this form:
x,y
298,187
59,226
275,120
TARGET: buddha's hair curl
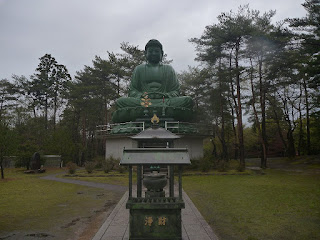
x,y
153,43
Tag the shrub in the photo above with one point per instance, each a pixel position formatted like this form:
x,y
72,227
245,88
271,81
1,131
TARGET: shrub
x,y
205,164
121,169
109,164
106,167
222,166
193,166
72,167
99,160
89,166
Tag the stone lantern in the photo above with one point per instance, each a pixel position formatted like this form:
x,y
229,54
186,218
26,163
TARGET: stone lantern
x,y
156,215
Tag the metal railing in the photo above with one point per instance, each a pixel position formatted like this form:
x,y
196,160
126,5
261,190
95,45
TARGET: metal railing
x,y
172,126
186,127
107,129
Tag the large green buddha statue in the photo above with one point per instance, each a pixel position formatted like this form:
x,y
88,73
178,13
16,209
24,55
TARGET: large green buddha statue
x,y
154,88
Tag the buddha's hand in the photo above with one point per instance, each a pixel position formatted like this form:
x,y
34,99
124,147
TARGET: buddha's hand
x,y
157,95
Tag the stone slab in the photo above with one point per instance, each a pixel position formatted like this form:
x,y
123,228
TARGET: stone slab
x,y
194,227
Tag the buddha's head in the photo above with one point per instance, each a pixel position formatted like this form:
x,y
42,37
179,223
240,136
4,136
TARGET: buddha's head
x,y
153,51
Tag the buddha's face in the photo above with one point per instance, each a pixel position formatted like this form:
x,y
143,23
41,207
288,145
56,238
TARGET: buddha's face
x,y
154,54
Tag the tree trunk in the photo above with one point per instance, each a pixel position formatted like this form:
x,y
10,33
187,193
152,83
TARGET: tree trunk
x,y
235,144
34,111
276,118
239,112
223,141
257,122
84,139
46,114
306,95
291,150
263,118
222,134
301,134
106,114
214,150
55,112
300,143
234,130
2,171
118,81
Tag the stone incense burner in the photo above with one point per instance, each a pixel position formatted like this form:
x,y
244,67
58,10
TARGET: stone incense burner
x,y
155,182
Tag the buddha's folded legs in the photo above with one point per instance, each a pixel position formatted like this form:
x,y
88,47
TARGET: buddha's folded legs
x,y
182,102
130,109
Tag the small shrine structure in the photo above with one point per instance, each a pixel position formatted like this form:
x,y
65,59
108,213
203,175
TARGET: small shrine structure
x,y
155,213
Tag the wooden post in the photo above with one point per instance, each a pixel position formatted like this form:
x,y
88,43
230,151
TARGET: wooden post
x,y
180,182
130,182
171,181
139,181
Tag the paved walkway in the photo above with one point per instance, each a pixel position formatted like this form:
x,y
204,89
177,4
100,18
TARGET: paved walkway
x,y
116,227
105,186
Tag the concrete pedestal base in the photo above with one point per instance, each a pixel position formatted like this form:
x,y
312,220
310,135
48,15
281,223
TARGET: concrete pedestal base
x,y
116,143
159,219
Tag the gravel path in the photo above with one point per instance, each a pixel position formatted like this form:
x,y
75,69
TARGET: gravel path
x,y
105,186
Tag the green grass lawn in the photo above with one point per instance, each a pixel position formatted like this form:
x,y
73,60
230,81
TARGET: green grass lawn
x,y
29,204
277,205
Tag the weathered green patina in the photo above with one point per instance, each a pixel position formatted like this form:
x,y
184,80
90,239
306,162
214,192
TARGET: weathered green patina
x,y
155,220
154,88
174,127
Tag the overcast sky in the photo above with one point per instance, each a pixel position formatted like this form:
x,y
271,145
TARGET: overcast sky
x,y
74,31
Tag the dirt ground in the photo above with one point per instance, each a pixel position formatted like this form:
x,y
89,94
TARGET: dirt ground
x,y
81,228
88,229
